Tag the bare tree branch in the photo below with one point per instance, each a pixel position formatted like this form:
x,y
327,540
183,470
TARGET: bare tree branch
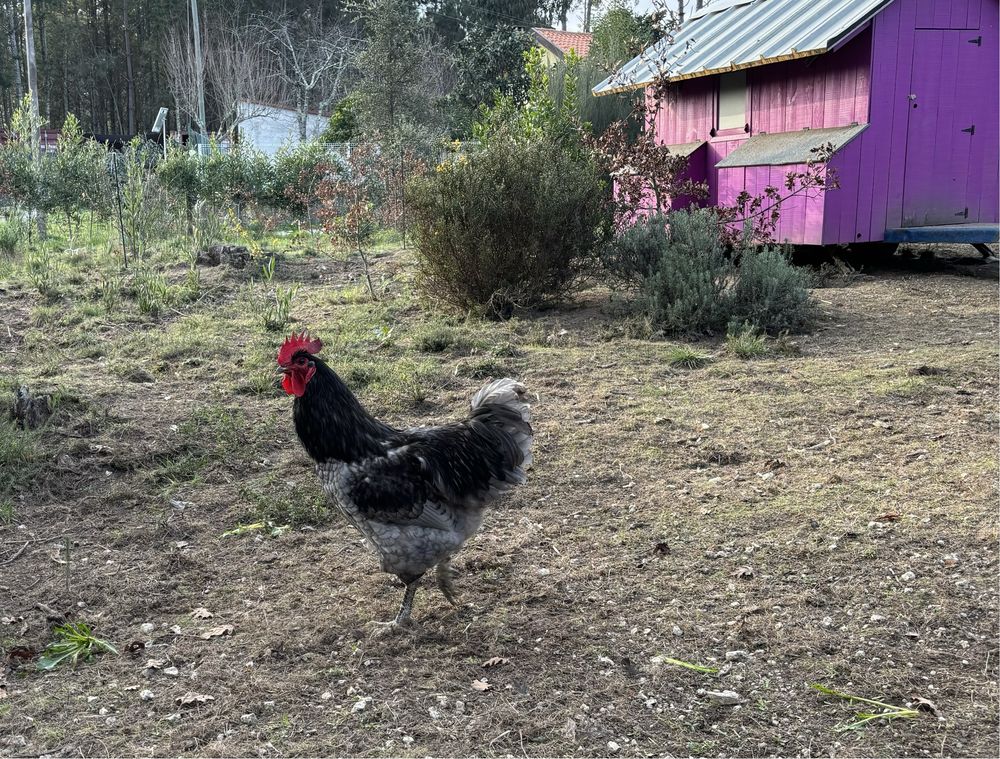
x,y
315,62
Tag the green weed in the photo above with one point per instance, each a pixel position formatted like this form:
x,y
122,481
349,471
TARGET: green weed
x,y
888,711
687,358
746,342
74,641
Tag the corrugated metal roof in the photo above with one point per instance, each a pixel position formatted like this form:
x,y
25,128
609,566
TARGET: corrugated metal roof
x,y
789,147
685,148
738,34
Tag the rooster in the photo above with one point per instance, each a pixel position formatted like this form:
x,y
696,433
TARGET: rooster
x,y
416,494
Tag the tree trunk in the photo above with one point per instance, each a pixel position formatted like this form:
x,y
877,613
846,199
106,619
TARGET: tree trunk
x,y
45,105
128,71
29,51
301,110
15,53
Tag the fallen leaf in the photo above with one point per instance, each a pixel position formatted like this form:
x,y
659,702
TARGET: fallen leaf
x,y
9,620
156,663
496,661
662,548
743,571
889,518
926,705
202,613
217,632
194,699
481,685
135,646
21,652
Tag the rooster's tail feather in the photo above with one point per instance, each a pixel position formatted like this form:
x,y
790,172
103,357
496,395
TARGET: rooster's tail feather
x,y
509,394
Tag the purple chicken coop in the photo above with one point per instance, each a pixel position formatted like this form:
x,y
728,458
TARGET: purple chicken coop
x,y
906,92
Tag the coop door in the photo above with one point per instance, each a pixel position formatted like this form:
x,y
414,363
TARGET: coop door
x,y
953,77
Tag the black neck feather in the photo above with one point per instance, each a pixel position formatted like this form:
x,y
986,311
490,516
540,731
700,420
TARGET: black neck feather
x,y
331,422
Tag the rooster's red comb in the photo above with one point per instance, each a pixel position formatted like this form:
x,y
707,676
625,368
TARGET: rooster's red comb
x,y
295,343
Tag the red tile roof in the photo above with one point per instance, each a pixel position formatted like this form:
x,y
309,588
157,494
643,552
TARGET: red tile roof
x,y
560,42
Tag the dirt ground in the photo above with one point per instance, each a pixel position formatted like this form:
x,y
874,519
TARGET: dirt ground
x,y
824,514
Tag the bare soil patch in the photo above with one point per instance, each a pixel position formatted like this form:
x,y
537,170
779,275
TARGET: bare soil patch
x,y
826,514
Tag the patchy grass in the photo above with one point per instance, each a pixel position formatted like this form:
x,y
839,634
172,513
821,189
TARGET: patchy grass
x,y
828,510
685,357
746,342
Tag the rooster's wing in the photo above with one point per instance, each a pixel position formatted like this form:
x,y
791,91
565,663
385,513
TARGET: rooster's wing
x,y
430,473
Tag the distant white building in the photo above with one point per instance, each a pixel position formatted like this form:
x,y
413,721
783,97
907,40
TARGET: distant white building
x,y
268,127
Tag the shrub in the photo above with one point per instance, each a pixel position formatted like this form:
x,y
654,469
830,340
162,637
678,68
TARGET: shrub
x,y
686,290
297,172
343,124
76,175
691,284
635,254
12,233
770,292
511,225
180,173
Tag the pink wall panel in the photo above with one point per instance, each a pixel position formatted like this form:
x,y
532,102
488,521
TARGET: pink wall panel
x,y
826,91
688,113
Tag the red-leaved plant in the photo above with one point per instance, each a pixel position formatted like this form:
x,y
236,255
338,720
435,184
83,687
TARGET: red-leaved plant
x,y
363,194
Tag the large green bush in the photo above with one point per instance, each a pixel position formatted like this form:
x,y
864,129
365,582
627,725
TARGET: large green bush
x,y
511,225
687,288
770,292
691,283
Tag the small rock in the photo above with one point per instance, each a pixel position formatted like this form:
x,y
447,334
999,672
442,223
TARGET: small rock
x,y
248,719
723,697
878,618
30,411
103,711
146,695
677,631
612,746
147,628
827,622
171,671
908,576
543,572
173,717
435,713
407,739
111,721
738,655
326,695
361,704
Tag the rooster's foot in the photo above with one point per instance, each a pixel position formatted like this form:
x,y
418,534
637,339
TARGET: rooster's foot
x,y
390,629
446,575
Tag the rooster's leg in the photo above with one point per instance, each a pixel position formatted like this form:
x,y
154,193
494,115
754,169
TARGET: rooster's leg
x,y
402,620
403,615
446,580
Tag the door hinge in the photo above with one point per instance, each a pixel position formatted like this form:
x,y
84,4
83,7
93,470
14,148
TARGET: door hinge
x,y
971,129
977,41
964,213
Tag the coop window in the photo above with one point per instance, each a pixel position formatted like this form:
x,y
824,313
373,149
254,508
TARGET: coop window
x,y
733,100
